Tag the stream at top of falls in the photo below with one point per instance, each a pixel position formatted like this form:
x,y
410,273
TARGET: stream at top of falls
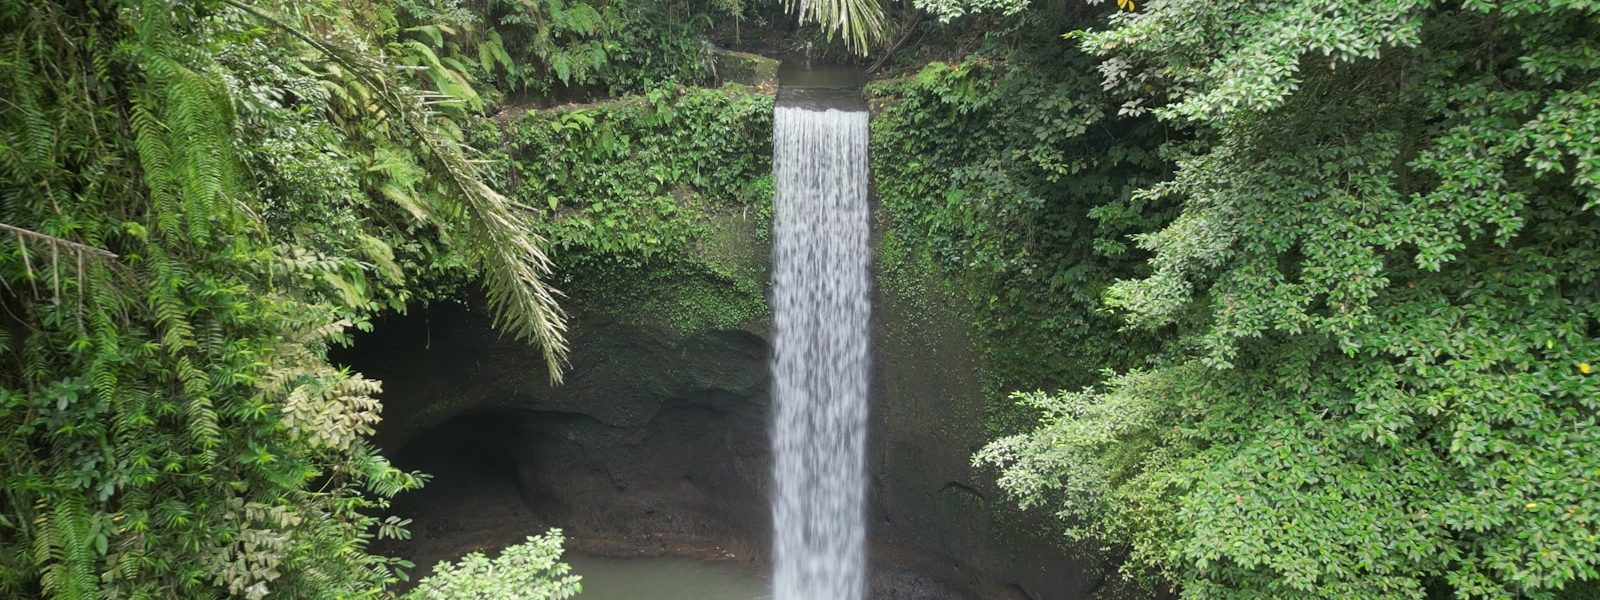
x,y
821,304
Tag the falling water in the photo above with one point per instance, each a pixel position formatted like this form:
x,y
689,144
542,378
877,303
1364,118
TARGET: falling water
x,y
820,321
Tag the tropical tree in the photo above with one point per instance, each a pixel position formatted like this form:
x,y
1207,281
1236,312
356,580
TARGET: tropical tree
x,y
1384,280
858,23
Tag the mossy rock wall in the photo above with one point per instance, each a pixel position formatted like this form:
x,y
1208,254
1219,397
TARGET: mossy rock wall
x,y
652,210
929,418
746,68
655,443
670,339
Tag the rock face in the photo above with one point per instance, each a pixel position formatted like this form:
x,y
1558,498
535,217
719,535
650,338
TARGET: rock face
x,y
448,360
930,500
658,442
745,68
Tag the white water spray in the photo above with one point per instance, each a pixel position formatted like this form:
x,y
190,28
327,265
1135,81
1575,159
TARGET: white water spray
x,y
821,307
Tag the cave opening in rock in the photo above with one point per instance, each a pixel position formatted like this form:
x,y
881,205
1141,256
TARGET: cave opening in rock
x,y
655,445
500,475
476,499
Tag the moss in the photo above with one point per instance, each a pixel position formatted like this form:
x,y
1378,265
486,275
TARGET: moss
x,y
687,296
657,204
716,282
746,68
932,294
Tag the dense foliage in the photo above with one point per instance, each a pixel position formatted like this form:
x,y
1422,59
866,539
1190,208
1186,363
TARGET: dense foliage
x,y
528,571
199,199
559,47
622,181
1009,176
1383,287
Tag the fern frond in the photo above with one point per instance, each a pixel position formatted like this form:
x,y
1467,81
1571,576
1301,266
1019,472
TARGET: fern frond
x,y
65,548
156,163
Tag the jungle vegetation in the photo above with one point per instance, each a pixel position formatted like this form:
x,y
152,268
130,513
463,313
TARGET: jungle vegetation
x,y
200,198
1289,299
1316,279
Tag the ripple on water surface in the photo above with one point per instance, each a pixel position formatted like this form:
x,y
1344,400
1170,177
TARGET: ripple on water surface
x,y
667,578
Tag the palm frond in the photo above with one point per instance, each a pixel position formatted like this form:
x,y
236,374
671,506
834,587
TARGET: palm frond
x,y
515,267
860,23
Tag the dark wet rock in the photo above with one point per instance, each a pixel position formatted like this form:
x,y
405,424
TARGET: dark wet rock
x,y
822,98
903,584
745,68
651,433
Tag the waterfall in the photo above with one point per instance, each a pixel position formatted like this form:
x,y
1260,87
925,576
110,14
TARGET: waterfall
x,y
821,335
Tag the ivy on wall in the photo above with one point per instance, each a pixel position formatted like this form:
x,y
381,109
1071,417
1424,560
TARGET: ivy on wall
x,y
653,202
1007,177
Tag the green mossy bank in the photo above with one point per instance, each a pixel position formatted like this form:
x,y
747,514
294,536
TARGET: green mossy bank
x,y
656,208
655,205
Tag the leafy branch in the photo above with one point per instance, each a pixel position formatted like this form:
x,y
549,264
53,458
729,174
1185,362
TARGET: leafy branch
x,y
515,265
79,252
54,241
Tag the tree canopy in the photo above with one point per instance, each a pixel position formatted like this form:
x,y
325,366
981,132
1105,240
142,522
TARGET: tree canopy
x,y
1382,290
